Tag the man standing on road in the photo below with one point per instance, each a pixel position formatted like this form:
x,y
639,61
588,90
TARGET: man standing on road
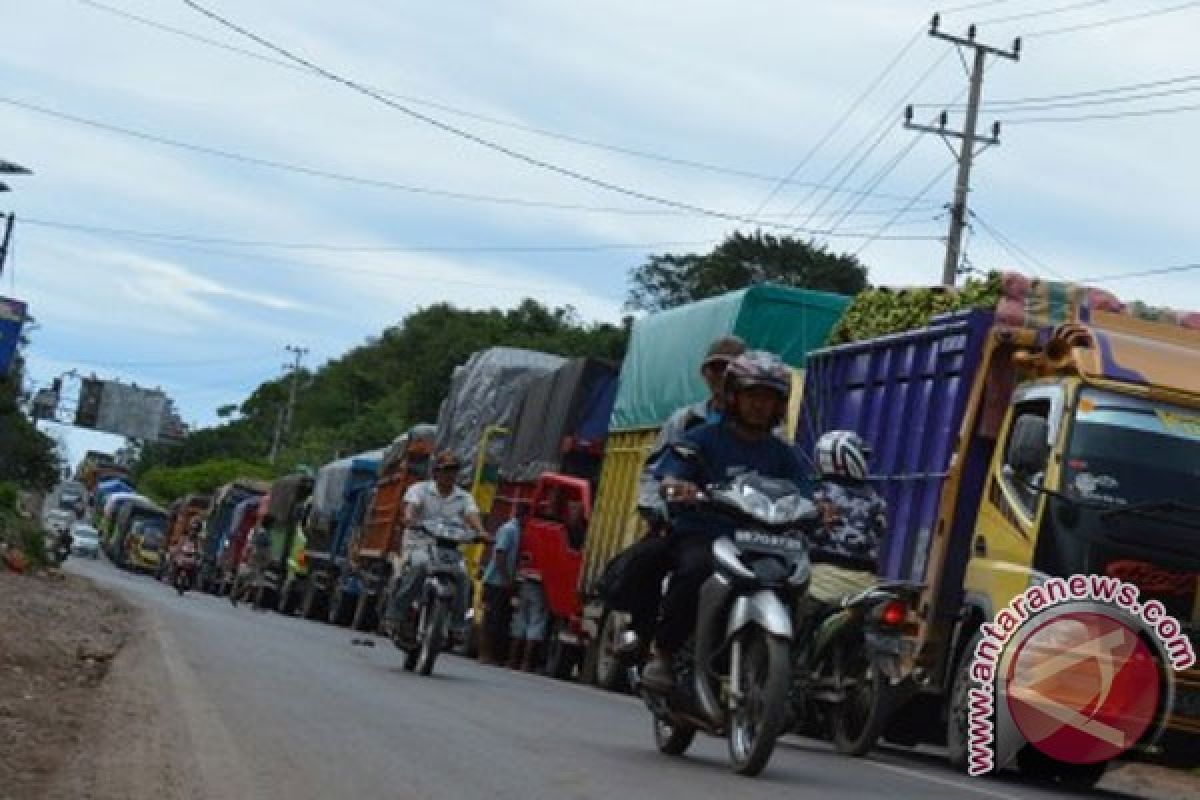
x,y
499,579
430,502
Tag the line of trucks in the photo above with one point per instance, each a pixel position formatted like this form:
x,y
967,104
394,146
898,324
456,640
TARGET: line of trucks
x,y
1106,404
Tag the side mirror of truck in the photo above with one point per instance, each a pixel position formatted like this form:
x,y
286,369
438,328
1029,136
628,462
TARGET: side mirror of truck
x,y
1029,445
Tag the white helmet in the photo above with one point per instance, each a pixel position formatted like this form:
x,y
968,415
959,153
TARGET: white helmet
x,y
843,454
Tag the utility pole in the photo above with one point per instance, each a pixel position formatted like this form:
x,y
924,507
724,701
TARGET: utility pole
x,y
8,168
968,137
283,422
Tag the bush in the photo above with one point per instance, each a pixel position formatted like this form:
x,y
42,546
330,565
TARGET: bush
x,y
24,535
8,496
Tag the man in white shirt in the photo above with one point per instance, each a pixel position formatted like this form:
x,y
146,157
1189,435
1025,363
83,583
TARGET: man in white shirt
x,y
430,501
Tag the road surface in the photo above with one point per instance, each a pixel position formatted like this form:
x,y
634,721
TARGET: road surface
x,y
237,703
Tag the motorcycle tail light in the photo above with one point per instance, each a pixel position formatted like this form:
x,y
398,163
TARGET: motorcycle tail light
x,y
893,613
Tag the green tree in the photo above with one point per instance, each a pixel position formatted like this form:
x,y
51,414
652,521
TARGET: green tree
x,y
669,280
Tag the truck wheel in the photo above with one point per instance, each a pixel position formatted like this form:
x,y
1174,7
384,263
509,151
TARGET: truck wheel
x,y
363,619
308,606
1041,768
339,609
560,656
958,746
284,606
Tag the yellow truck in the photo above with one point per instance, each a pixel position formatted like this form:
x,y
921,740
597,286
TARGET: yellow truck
x,y
1016,446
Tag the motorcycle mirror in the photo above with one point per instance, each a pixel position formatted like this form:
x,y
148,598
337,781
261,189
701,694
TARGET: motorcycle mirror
x,y
685,452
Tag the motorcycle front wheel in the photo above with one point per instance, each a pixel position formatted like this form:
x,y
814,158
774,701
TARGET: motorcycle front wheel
x,y
760,716
433,620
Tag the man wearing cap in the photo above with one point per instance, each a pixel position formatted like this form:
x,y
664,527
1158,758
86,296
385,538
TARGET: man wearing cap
x,y
430,501
648,563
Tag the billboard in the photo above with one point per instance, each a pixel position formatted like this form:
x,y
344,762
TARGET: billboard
x,y
128,410
12,318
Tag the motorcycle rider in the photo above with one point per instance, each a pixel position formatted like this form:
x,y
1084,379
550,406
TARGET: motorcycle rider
x,y
853,515
756,390
646,563
430,501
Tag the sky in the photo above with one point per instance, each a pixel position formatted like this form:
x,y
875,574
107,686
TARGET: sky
x,y
728,99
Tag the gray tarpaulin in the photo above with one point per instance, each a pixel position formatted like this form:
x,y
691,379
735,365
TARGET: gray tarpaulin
x,y
554,407
487,391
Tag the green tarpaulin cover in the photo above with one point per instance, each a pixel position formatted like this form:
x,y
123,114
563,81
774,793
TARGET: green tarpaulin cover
x,y
661,371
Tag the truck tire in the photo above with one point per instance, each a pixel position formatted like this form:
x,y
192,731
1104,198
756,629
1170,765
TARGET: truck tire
x,y
310,605
364,613
958,746
561,658
286,604
1038,767
340,610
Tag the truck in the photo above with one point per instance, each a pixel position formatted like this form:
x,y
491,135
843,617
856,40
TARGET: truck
x,y
551,464
286,504
231,550
338,495
474,423
217,525
181,513
1012,449
373,544
137,535
661,373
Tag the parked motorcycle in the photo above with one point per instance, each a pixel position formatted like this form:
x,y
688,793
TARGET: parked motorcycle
x,y
185,568
733,677
431,617
853,662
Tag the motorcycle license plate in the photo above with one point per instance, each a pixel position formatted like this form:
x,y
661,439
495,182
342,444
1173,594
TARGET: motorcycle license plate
x,y
772,540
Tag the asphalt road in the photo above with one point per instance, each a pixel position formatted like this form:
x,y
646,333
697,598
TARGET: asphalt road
x,y
276,707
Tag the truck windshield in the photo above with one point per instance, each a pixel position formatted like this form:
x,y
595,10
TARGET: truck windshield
x,y
1125,451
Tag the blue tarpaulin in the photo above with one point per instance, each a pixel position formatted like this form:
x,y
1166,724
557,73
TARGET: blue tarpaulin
x,y
12,318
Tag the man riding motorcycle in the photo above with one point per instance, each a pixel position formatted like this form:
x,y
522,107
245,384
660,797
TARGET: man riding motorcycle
x,y
430,502
756,390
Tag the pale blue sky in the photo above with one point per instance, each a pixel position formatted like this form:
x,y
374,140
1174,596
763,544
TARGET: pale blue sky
x,y
748,86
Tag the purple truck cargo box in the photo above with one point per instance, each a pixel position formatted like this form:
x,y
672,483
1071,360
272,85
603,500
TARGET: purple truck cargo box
x,y
906,394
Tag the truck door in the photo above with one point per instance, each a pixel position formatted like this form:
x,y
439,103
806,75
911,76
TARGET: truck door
x,y
1005,534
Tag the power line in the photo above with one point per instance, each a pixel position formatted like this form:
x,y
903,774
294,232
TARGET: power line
x,y
468,114
1105,101
1113,20
357,248
845,117
357,180
1018,252
972,6
880,130
1032,103
1146,273
839,218
879,233
207,362
453,130
1150,112
1045,12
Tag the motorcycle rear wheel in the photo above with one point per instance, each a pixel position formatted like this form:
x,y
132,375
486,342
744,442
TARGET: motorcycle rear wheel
x,y
672,738
761,716
857,722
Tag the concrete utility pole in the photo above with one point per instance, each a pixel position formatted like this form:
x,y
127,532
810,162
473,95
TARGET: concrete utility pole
x,y
968,136
283,422
8,168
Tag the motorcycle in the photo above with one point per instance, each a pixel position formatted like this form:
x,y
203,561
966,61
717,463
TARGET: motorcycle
x,y
733,677
185,571
856,655
434,604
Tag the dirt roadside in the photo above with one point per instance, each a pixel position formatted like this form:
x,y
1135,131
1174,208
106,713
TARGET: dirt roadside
x,y
59,636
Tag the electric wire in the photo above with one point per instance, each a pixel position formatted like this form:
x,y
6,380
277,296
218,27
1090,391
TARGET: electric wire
x,y
1104,23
